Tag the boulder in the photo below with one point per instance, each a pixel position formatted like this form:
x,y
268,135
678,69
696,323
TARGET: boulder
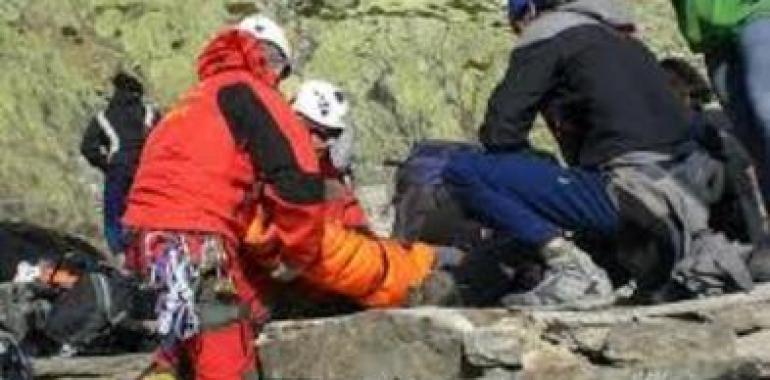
x,y
670,343
435,343
373,345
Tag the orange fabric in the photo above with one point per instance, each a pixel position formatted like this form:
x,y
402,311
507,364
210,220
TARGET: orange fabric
x,y
372,271
193,177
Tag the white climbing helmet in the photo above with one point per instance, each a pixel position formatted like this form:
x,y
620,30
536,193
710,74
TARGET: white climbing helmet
x,y
323,103
265,29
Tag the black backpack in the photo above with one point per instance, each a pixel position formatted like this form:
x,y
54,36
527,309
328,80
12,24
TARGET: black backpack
x,y
100,305
425,209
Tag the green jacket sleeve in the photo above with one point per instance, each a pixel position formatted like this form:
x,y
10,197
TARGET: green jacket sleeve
x,y
689,24
710,24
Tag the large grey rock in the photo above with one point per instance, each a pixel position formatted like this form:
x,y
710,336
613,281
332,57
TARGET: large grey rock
x,y
745,318
755,347
670,343
425,344
494,347
555,363
100,367
432,343
716,370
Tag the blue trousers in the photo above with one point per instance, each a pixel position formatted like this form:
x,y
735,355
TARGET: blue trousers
x,y
532,199
740,75
116,187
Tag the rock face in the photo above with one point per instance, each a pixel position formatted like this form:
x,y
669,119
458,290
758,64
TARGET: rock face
x,y
105,367
414,69
691,340
431,343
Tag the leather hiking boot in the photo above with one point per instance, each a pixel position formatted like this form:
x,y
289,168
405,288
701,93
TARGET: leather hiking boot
x,y
571,279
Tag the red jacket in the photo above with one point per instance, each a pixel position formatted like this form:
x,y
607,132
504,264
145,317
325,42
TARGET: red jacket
x,y
232,130
341,201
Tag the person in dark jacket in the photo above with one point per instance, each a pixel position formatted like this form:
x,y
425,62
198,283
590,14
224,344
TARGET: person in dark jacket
x,y
608,105
113,143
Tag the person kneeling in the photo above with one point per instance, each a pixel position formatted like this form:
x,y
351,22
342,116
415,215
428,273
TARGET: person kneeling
x,y
371,271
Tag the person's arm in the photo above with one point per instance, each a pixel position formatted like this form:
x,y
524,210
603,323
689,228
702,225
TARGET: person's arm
x,y
93,145
284,159
515,102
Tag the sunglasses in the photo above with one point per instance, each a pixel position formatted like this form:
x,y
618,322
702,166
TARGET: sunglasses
x,y
326,133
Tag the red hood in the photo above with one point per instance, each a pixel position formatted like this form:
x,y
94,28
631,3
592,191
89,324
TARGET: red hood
x,y
234,50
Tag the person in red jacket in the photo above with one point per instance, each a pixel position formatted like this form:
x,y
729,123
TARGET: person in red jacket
x,y
231,145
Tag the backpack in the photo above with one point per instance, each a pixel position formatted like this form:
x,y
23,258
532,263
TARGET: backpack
x,y
92,309
14,363
424,207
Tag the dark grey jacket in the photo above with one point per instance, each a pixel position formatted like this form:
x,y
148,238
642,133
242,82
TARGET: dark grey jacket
x,y
610,90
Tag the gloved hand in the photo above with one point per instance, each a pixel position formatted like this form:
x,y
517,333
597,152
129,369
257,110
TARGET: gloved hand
x,y
438,289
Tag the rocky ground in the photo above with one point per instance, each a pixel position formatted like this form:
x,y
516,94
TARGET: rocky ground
x,y
717,338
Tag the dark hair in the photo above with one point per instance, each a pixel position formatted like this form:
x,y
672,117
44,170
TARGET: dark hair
x,y
696,85
127,82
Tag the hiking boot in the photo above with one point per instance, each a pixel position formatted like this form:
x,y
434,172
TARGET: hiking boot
x,y
438,289
572,278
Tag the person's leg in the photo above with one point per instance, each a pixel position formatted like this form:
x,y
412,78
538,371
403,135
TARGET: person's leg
x,y
225,353
206,307
111,210
755,52
726,72
535,201
116,187
230,306
471,179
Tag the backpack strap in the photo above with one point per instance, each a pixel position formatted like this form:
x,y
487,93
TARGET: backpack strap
x,y
109,131
104,298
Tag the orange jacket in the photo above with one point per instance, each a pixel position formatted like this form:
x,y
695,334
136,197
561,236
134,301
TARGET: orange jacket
x,y
371,271
233,129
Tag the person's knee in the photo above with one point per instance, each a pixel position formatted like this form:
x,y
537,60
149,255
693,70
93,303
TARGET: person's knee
x,y
462,169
